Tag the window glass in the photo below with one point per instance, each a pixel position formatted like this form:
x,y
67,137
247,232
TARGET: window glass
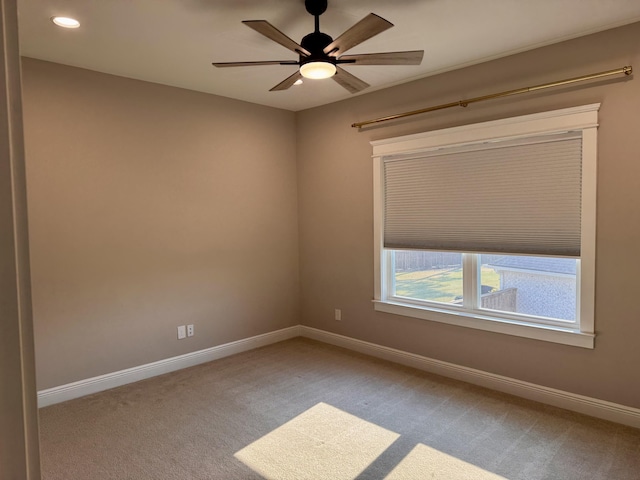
x,y
539,286
428,276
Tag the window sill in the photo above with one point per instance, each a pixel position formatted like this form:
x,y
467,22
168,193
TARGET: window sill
x,y
546,333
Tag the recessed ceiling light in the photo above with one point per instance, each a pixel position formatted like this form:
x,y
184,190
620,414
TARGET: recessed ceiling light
x,y
65,22
298,82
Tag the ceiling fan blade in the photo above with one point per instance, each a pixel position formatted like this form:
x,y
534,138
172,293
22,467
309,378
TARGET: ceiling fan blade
x,y
348,81
413,57
287,82
272,33
251,64
366,28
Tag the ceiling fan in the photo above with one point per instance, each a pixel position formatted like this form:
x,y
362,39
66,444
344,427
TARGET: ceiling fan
x,y
320,56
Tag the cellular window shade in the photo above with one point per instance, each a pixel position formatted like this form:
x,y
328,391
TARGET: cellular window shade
x,y
519,197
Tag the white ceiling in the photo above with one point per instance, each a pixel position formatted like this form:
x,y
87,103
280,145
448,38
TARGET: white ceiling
x,y
173,42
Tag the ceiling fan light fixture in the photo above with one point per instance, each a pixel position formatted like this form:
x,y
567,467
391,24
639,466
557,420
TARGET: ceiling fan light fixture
x,y
318,70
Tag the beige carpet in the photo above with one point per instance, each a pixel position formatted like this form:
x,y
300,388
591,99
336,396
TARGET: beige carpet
x,y
303,410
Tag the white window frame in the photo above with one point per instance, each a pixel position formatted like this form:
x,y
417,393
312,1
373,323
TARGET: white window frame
x,y
577,119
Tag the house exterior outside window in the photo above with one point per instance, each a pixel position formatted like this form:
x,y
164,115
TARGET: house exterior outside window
x,y
544,287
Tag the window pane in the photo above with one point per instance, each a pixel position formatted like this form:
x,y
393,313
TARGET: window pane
x,y
540,286
430,276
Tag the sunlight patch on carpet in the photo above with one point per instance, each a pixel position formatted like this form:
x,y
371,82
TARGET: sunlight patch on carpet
x,y
322,443
426,462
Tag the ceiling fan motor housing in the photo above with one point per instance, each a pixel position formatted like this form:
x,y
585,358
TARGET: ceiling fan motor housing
x,y
315,43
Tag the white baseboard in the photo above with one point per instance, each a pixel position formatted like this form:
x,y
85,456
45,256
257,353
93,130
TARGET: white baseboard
x,y
570,401
116,379
550,396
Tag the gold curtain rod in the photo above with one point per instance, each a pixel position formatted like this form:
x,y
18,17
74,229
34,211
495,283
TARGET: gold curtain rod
x,y
463,103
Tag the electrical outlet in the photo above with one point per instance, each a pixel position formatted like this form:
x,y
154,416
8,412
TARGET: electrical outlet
x,y
182,332
338,314
190,331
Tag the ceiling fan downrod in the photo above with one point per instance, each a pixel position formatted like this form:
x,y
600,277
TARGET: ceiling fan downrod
x,y
316,41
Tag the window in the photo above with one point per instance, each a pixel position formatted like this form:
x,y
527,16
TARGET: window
x,y
491,226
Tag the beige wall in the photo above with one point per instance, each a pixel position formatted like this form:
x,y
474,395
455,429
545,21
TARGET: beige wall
x,y
336,224
152,207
